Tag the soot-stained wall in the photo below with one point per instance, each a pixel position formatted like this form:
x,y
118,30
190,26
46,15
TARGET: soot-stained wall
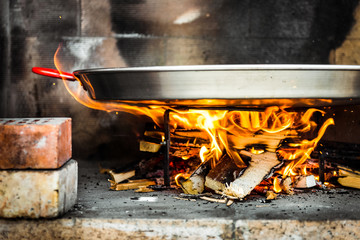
x,y
117,33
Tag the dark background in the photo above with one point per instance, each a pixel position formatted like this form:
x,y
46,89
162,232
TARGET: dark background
x,y
118,33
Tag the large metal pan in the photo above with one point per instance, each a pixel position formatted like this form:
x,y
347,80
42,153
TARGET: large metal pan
x,y
224,85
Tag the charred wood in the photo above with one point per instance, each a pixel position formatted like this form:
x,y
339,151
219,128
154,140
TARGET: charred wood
x,y
195,184
225,172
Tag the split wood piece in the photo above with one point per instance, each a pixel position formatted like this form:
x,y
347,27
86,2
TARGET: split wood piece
x,y
286,185
195,196
259,166
149,146
190,134
141,183
270,195
185,138
229,202
182,152
271,141
350,181
195,184
225,172
349,178
210,199
144,189
304,181
119,177
344,171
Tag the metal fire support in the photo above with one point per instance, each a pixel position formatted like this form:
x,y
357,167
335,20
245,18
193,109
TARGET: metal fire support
x,y
167,148
322,168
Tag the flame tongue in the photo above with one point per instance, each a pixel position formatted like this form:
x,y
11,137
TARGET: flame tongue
x,y
230,131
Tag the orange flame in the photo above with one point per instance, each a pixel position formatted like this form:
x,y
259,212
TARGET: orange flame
x,y
277,187
228,131
155,112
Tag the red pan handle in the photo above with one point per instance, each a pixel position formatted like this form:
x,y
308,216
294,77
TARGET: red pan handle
x,y
53,73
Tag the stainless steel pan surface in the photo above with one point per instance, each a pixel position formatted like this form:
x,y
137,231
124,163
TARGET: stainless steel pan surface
x,y
226,85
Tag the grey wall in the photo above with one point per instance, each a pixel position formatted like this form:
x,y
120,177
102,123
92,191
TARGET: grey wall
x,y
117,33
4,54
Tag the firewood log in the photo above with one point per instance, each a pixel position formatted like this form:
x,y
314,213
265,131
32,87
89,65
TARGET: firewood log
x,y
271,141
191,134
305,181
195,184
225,172
188,152
350,181
179,135
149,147
349,178
259,166
135,184
119,177
286,185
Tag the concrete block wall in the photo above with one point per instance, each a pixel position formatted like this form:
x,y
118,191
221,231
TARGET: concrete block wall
x,y
115,33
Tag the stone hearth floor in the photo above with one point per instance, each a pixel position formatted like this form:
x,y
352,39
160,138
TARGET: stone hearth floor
x,y
104,214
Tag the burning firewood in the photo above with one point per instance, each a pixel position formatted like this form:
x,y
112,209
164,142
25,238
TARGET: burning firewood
x,y
195,184
184,152
259,166
271,141
286,185
304,181
225,172
191,136
270,195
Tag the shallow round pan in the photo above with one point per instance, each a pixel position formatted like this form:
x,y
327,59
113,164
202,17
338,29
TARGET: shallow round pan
x,y
225,85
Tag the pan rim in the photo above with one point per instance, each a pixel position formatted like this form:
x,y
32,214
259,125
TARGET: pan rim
x,y
225,67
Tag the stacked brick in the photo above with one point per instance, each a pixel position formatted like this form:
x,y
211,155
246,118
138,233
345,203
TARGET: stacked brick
x,y
38,178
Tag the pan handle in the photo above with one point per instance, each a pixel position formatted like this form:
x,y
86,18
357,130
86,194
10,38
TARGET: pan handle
x,y
53,73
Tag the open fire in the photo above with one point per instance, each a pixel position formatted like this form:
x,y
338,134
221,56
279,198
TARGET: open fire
x,y
238,149
228,151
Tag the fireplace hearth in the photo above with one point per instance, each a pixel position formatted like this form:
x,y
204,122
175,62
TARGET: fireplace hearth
x,y
103,214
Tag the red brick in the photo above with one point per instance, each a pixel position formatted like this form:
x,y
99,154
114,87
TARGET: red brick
x,y
35,143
